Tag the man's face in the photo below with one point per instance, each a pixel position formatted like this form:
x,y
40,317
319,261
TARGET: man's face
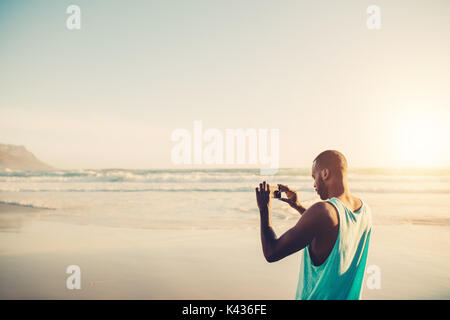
x,y
319,184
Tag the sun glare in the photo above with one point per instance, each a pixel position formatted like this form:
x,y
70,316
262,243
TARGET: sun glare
x,y
420,140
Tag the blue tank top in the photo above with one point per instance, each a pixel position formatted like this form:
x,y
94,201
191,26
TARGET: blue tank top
x,y
340,277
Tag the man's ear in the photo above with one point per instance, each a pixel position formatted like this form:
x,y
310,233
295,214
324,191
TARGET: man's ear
x,y
325,173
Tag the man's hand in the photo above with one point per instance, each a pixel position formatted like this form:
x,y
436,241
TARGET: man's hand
x,y
263,197
292,198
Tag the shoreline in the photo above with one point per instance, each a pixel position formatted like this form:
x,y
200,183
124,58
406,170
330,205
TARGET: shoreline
x,y
6,207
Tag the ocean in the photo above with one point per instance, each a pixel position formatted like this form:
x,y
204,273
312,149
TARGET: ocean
x,y
211,199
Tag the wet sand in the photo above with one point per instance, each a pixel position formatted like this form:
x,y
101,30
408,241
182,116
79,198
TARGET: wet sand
x,y
126,263
14,216
13,208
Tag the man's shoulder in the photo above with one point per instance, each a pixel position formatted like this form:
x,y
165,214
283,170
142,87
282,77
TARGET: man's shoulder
x,y
324,211
322,207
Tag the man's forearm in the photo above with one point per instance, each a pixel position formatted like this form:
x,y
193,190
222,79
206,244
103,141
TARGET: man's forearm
x,y
268,236
301,209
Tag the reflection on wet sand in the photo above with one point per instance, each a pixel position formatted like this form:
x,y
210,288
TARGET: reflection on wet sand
x,y
13,217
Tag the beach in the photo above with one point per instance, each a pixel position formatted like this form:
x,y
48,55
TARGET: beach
x,y
196,236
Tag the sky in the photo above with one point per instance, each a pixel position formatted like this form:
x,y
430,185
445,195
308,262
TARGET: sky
x,y
112,93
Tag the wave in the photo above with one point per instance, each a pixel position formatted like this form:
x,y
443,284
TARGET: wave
x,y
195,175
163,189
225,190
201,180
119,175
25,205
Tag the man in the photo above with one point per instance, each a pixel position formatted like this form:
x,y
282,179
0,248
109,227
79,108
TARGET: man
x,y
334,233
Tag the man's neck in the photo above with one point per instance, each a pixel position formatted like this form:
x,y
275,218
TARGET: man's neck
x,y
340,190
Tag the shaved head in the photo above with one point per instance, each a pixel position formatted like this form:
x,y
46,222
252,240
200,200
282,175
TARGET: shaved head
x,y
332,160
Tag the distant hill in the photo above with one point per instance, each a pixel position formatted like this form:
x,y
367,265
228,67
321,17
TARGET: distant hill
x,y
19,158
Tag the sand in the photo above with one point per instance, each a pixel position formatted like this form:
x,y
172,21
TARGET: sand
x,y
13,217
13,208
125,263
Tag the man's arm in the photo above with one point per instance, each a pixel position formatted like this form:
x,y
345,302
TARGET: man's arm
x,y
312,223
292,198
299,207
